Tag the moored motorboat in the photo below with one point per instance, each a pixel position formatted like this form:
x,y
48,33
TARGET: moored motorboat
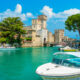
x,y
68,49
62,67
7,48
59,46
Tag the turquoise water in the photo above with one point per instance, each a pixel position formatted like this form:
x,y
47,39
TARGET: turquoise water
x,y
20,64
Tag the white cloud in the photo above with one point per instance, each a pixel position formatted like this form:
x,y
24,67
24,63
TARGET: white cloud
x,y
9,13
72,11
47,11
50,14
16,13
67,13
29,15
18,8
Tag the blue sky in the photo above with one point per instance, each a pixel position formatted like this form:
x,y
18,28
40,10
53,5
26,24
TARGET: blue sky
x,y
56,10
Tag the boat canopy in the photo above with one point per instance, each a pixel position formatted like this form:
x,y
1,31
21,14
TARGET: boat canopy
x,y
66,55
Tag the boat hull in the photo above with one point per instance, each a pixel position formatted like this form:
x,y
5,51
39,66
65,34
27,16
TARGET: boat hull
x,y
52,71
72,50
75,77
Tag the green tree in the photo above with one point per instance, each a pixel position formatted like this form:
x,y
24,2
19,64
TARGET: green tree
x,y
73,23
9,28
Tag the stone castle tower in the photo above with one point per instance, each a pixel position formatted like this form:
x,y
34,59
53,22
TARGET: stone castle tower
x,y
39,23
59,36
43,19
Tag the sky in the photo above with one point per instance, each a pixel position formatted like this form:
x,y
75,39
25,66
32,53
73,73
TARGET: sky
x,y
57,12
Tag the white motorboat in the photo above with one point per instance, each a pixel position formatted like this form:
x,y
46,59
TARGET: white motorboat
x,y
67,48
65,66
7,48
58,46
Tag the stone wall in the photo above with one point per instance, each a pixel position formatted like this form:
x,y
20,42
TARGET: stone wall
x,y
27,44
50,37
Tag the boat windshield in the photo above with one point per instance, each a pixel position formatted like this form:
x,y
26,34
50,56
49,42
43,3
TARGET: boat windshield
x,y
66,60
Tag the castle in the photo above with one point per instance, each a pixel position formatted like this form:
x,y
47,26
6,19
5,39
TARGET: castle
x,y
38,35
